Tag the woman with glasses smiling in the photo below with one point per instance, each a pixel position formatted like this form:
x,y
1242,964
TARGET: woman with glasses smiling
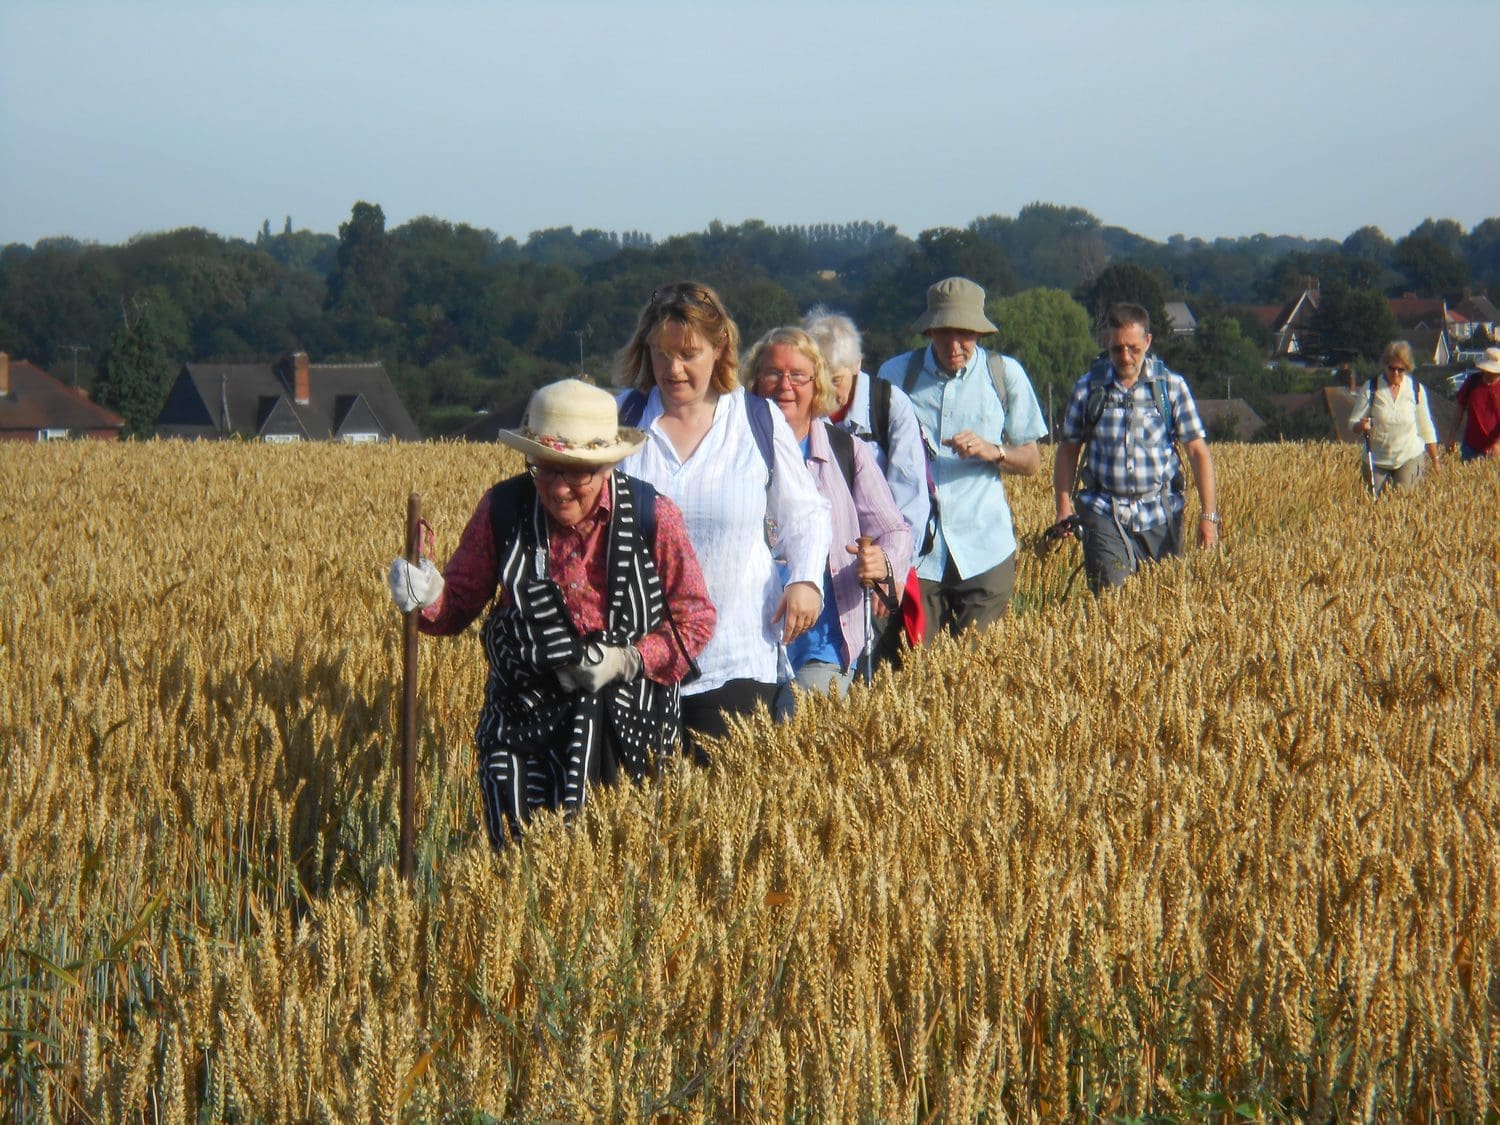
x,y
871,539
599,608
1393,415
731,464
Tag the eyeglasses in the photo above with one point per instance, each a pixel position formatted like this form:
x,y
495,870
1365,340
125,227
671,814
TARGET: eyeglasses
x,y
774,378
1399,369
573,475
1126,349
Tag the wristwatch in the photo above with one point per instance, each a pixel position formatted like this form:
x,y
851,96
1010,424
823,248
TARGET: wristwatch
x,y
1209,517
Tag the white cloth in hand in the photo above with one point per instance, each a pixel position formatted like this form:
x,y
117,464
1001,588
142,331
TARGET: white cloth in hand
x,y
414,586
620,662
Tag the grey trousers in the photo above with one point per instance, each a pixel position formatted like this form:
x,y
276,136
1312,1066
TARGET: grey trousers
x,y
1111,554
956,603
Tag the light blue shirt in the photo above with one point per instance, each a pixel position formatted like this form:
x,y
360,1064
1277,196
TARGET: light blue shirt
x,y
905,469
974,521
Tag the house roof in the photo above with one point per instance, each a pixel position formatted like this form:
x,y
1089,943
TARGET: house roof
x,y
37,401
1180,318
1415,312
1479,310
1265,315
1247,423
257,400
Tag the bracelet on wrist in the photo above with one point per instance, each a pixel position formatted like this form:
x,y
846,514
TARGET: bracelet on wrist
x,y
1209,517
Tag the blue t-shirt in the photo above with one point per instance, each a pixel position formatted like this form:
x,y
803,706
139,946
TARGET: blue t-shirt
x,y
824,642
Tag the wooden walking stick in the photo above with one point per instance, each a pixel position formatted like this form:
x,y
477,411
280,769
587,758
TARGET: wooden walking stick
x,y
409,697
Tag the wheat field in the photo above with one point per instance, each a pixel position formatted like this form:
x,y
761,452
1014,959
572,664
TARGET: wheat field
x,y
1222,844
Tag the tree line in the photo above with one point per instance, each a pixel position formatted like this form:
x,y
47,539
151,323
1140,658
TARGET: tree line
x,y
467,321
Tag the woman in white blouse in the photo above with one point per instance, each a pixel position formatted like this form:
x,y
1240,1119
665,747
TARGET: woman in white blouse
x,y
735,470
1393,415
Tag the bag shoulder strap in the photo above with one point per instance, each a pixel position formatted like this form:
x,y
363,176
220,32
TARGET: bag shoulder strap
x,y
880,413
632,407
512,508
996,363
758,410
842,443
643,497
914,361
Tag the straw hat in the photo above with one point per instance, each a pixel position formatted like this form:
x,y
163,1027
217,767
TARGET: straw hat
x,y
1490,362
573,423
955,302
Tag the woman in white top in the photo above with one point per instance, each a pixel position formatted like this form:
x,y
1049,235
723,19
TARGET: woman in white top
x,y
737,474
1393,415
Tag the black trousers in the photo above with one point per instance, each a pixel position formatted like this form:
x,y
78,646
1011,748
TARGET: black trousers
x,y
706,713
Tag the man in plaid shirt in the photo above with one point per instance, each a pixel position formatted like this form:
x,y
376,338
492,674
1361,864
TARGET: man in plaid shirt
x,y
1129,410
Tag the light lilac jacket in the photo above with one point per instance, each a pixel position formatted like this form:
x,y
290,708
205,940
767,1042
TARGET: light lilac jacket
x,y
869,510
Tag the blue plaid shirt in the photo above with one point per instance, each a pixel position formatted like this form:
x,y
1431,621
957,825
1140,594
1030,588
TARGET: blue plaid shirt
x,y
1130,458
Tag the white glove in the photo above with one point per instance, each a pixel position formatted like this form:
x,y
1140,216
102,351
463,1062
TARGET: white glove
x,y
620,662
413,586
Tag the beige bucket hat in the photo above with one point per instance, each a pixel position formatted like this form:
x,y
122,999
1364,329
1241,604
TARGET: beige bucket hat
x,y
1490,362
955,302
573,423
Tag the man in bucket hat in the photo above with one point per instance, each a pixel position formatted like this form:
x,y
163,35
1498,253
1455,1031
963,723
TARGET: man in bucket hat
x,y
980,421
599,609
1478,420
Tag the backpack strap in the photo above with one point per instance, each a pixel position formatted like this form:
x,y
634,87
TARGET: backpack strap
x,y
996,364
643,495
632,406
914,362
842,443
880,412
758,410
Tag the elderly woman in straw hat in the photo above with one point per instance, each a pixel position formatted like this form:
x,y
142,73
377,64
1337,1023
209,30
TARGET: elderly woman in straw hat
x,y
599,609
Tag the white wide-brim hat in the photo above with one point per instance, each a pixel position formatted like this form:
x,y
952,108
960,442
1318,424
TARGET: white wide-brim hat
x,y
573,423
1490,362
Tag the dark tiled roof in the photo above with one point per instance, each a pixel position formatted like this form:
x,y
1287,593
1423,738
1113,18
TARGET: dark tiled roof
x,y
1247,423
37,401
256,400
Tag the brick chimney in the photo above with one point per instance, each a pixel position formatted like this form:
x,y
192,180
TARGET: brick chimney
x,y
301,381
4,374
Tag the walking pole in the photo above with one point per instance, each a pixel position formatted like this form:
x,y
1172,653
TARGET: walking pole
x,y
869,654
1370,464
409,698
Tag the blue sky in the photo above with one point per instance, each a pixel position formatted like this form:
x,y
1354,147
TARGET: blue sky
x,y
1204,119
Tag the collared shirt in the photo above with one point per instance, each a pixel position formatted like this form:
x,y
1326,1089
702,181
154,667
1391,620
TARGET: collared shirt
x,y
1400,425
1129,455
974,521
1482,422
905,465
869,509
721,489
577,563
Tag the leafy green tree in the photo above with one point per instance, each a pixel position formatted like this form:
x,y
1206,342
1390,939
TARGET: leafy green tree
x,y
1050,334
1482,253
136,369
1125,281
364,281
1359,321
1369,242
1431,267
